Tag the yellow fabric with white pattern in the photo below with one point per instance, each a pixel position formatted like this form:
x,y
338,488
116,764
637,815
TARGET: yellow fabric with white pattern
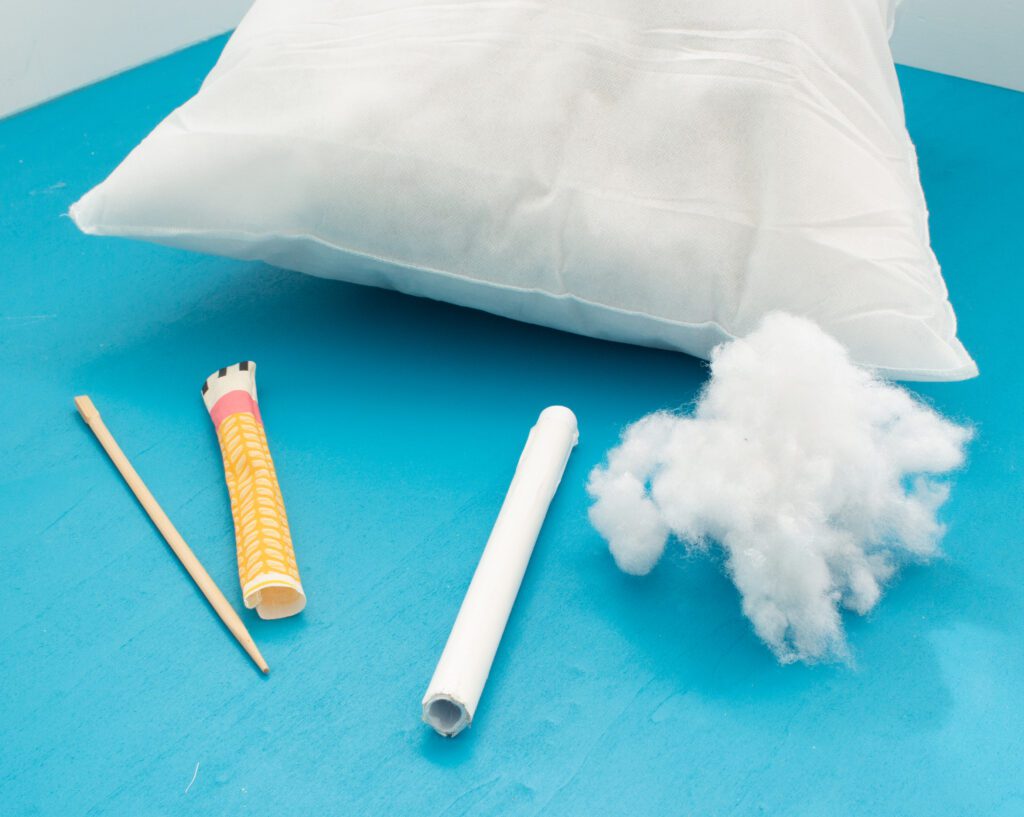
x,y
266,558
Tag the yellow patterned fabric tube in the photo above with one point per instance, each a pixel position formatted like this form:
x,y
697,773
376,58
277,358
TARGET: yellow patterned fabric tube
x,y
266,560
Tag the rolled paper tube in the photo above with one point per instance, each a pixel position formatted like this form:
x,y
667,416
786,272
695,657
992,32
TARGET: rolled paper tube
x,y
451,699
266,560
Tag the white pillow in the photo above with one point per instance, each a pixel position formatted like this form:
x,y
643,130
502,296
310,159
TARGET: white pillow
x,y
662,173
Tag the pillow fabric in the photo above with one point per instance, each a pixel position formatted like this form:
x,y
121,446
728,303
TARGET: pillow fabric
x,y
662,173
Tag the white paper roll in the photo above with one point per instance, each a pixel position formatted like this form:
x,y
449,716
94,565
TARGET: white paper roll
x,y
454,691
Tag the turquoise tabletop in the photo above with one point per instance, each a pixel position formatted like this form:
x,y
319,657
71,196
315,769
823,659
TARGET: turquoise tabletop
x,y
395,424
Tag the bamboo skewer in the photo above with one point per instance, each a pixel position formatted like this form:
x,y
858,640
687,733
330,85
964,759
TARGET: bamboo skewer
x,y
184,553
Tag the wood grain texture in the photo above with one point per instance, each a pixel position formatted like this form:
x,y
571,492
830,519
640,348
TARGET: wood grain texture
x,y
195,569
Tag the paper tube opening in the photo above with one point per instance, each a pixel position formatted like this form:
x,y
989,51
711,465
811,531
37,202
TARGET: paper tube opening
x,y
446,715
276,602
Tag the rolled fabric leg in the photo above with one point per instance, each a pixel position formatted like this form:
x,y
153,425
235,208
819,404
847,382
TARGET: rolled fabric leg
x,y
451,699
266,560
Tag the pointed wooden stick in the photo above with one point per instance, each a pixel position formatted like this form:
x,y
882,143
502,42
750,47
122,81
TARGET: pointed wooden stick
x,y
184,553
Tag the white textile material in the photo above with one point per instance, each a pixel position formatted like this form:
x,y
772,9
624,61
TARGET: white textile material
x,y
815,478
663,173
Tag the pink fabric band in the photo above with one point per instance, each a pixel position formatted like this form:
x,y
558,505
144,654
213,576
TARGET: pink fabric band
x,y
234,402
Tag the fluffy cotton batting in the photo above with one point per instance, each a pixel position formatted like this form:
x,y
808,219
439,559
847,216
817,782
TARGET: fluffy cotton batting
x,y
816,478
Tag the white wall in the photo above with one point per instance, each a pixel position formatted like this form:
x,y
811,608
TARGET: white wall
x,y
977,39
49,47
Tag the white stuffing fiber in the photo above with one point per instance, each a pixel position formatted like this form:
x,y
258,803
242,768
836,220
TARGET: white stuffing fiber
x,y
816,478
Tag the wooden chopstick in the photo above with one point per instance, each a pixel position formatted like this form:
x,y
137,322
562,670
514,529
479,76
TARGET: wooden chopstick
x,y
184,553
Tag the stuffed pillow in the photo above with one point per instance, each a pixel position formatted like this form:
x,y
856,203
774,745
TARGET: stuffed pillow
x,y
662,173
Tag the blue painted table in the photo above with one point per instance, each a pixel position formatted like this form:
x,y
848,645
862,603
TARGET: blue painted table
x,y
610,694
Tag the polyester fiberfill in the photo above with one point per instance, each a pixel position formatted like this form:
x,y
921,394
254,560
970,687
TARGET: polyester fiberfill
x,y
815,477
